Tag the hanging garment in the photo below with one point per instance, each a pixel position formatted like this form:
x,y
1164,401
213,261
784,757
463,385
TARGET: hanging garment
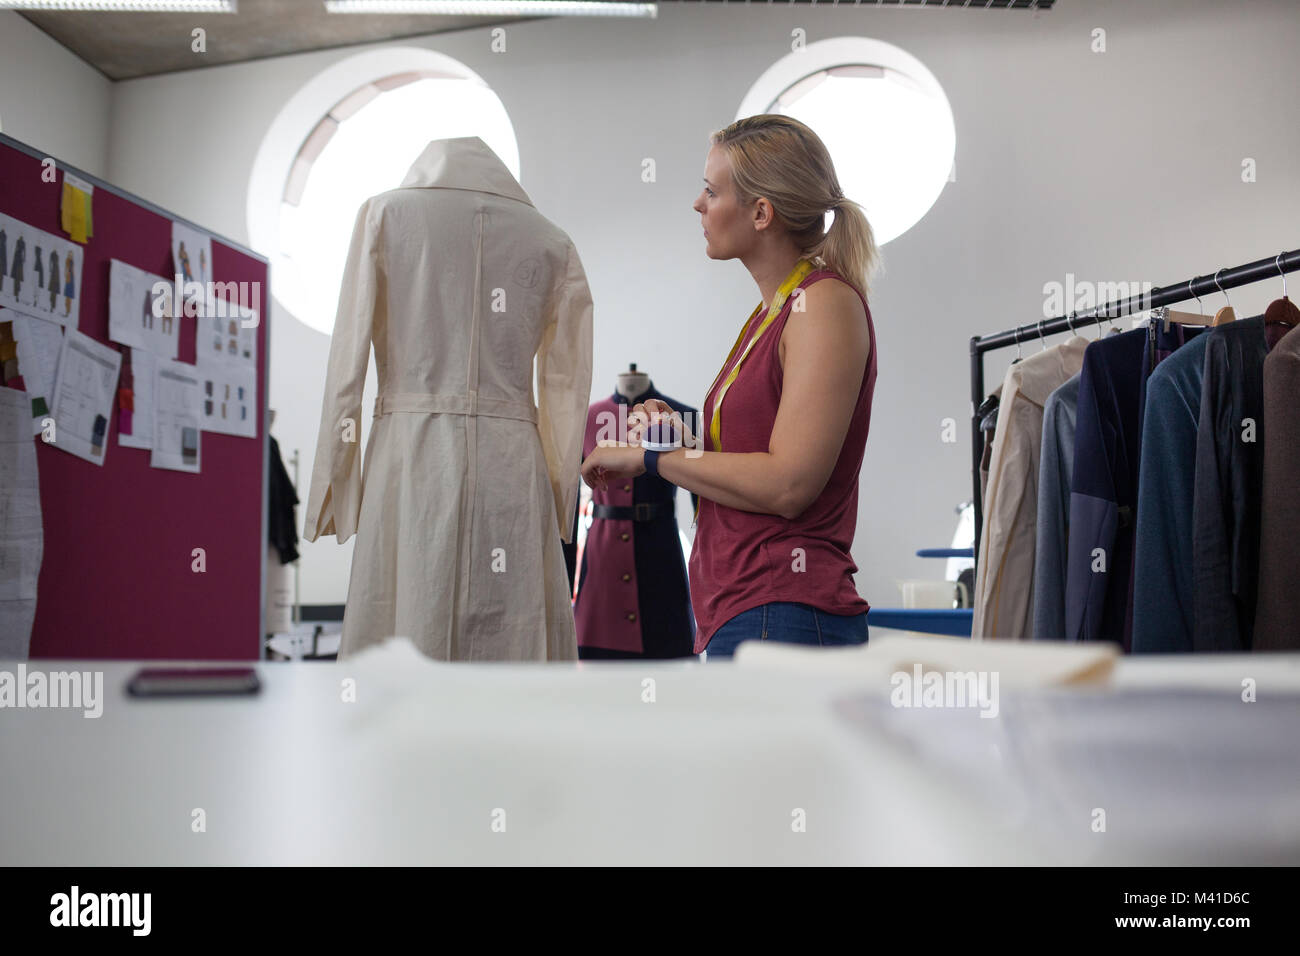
x,y
1277,615
1104,486
570,547
281,498
1162,562
1229,481
988,419
1004,573
1055,466
633,596
460,283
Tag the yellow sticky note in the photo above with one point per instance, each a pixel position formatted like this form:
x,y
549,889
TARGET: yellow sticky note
x,y
74,213
78,216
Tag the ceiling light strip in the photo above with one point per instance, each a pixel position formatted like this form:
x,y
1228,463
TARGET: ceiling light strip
x,y
506,8
125,6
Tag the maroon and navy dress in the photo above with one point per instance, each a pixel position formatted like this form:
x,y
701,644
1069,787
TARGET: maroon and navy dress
x,y
633,597
740,559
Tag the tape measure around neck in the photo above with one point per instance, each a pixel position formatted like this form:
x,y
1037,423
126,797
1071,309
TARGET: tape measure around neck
x,y
801,270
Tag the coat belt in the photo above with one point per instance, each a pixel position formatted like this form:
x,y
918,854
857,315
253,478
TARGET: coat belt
x,y
642,511
470,404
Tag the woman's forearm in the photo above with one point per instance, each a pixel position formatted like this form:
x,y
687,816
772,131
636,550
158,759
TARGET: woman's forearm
x,y
750,481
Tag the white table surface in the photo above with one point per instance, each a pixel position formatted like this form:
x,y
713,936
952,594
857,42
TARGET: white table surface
x,y
582,770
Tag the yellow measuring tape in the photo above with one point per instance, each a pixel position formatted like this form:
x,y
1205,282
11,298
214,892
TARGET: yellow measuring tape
x,y
801,270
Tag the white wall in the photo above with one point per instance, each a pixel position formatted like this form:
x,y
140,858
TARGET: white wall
x,y
1122,166
52,99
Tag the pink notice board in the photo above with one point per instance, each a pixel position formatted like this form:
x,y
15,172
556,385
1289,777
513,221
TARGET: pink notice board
x,y
117,577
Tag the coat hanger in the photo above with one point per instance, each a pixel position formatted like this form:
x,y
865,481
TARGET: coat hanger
x,y
1041,337
1105,312
1019,355
1166,315
1282,311
1226,314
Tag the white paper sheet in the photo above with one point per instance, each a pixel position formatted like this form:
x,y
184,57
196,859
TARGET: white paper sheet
x,y
192,260
83,396
22,537
39,344
226,336
31,262
131,311
178,406
229,401
144,368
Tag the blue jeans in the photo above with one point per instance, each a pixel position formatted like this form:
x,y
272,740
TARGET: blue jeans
x,y
787,623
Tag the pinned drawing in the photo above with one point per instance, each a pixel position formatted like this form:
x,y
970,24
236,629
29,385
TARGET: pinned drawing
x,y
34,285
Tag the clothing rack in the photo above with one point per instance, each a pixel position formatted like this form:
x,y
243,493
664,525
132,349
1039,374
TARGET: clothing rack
x,y
1166,295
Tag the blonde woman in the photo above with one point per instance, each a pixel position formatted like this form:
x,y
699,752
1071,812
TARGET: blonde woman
x,y
785,423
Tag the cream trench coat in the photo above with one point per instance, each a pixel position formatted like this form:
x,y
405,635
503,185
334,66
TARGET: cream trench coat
x,y
1004,577
458,282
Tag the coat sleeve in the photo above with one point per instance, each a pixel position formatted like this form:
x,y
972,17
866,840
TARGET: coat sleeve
x,y
334,502
1002,503
1162,547
1214,618
1053,503
1094,508
564,387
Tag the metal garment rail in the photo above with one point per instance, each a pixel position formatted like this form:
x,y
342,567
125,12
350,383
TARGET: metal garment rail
x,y
1165,295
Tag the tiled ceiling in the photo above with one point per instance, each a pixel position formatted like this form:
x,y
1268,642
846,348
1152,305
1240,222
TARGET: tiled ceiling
x,y
123,46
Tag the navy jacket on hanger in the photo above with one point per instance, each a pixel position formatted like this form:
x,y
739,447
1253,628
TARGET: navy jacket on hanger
x,y
1229,481
1162,578
1104,485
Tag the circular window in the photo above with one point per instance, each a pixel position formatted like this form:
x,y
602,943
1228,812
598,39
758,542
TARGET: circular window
x,y
880,112
350,134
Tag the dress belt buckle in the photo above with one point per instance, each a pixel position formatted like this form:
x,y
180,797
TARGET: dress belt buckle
x,y
643,511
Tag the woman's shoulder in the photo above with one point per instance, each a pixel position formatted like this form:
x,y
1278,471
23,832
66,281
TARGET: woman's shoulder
x,y
841,294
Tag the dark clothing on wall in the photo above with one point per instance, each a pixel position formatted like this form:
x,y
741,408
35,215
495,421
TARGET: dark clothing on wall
x,y
282,525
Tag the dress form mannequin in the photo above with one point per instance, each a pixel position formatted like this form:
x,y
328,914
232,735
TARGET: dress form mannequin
x,y
632,384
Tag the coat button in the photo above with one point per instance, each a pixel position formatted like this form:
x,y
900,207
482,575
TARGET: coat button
x,y
627,487
626,576
624,536
631,617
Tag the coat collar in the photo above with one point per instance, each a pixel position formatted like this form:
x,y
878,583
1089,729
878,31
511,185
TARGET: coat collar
x,y
465,162
1039,374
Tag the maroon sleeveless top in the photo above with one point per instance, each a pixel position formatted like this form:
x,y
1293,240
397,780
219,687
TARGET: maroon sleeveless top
x,y
741,559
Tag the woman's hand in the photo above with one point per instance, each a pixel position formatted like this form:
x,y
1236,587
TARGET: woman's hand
x,y
652,412
612,461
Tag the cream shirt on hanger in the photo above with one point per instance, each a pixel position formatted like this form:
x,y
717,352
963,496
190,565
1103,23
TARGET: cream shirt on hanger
x,y
1004,582
467,487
